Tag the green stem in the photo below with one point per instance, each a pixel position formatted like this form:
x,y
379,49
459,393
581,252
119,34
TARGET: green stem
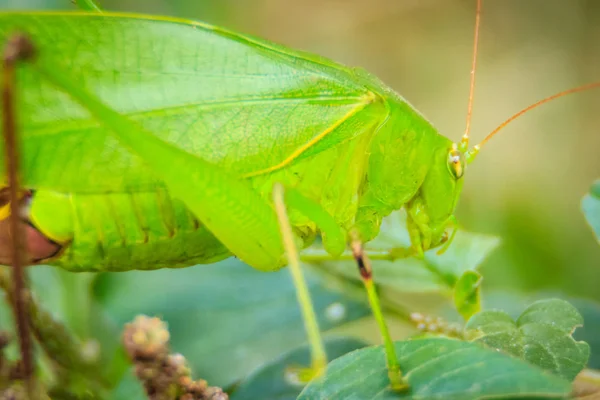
x,y
88,5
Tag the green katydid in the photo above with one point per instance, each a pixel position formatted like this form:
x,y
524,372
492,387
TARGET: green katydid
x,y
264,131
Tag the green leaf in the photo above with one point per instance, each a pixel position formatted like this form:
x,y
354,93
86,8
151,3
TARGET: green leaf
x,y
541,335
591,208
434,274
514,303
436,368
467,298
226,318
271,381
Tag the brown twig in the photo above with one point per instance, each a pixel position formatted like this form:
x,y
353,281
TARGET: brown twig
x,y
164,376
18,48
11,385
70,360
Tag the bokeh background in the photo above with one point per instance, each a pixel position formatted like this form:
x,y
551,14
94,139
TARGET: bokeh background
x,y
526,185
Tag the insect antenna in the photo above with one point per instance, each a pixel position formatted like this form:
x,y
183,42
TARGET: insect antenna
x,y
17,49
472,153
464,143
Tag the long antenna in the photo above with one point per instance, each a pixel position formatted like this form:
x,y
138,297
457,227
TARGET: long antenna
x,y
531,107
464,143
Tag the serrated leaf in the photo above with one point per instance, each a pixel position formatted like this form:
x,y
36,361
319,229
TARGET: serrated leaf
x,y
273,381
514,303
541,335
558,313
467,298
590,206
434,274
436,368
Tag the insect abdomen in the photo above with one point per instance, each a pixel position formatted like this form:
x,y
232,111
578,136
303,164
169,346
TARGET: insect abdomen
x,y
123,231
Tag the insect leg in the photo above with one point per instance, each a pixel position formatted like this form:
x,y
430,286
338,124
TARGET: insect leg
x,y
446,243
364,266
229,207
334,237
318,355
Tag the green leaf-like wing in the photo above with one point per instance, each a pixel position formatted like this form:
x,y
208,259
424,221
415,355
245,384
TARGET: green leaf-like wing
x,y
541,335
436,368
591,208
239,102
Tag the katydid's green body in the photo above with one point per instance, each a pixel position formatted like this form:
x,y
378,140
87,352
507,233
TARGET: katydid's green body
x,y
259,113
238,147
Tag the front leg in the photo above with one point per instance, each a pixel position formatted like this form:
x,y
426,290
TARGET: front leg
x,y
417,223
422,236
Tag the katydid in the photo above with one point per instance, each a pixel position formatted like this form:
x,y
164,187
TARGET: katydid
x,y
264,136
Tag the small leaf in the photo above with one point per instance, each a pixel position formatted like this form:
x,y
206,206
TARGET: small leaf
x,y
436,368
558,313
514,303
591,208
271,381
467,299
433,274
541,335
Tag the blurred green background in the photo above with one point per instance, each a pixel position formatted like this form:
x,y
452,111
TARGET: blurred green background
x,y
527,184
525,187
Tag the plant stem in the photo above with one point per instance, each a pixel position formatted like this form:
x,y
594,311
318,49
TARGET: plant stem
x,y
17,49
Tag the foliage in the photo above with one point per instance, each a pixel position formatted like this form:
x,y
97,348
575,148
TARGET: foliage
x,y
436,368
542,335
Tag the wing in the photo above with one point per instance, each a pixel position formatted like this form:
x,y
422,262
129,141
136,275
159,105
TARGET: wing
x,y
238,102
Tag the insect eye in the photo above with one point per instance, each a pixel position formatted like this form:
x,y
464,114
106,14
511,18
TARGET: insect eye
x,y
456,163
